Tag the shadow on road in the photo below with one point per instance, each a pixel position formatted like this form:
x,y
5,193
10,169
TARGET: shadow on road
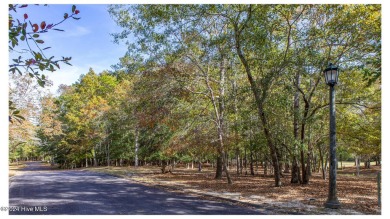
x,y
84,192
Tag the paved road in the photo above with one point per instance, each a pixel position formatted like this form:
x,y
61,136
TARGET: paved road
x,y
42,191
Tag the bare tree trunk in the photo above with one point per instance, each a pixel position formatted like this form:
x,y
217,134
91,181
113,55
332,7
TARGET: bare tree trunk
x,y
136,147
227,161
357,160
286,167
238,160
259,99
241,165
218,173
245,162
251,163
295,176
322,163
367,164
257,163
308,165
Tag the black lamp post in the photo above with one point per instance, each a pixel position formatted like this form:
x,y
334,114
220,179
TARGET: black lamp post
x,y
331,78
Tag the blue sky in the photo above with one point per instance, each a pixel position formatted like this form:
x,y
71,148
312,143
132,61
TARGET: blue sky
x,y
87,40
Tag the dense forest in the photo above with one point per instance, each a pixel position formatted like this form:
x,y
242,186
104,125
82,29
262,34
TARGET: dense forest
x,y
219,84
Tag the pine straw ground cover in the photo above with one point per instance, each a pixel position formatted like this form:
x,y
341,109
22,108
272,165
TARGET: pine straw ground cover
x,y
358,193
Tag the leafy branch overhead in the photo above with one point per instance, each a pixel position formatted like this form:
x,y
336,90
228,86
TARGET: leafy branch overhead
x,y
29,33
24,38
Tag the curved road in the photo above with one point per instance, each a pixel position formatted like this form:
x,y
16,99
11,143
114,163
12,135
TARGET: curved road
x,y
40,190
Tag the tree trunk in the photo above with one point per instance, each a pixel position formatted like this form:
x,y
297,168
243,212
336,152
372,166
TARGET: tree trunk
x,y
199,166
305,170
308,166
218,173
227,161
241,165
259,99
136,147
245,162
295,176
257,163
303,166
251,163
238,160
286,167
368,164
357,161
227,172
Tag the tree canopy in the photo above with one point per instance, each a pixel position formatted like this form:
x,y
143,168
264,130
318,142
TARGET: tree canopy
x,y
212,82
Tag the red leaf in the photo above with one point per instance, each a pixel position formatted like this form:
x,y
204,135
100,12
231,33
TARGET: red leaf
x,y
25,16
35,27
77,11
43,25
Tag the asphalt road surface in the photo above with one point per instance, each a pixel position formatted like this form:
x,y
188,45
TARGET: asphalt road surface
x,y
42,191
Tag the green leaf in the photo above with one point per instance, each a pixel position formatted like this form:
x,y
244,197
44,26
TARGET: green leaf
x,y
19,71
22,38
76,18
36,35
57,29
39,41
31,75
46,48
38,56
41,83
66,15
73,8
20,117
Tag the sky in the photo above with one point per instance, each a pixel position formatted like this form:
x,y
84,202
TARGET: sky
x,y
87,41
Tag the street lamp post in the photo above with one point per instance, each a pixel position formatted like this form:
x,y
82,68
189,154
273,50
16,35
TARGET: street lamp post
x,y
331,78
